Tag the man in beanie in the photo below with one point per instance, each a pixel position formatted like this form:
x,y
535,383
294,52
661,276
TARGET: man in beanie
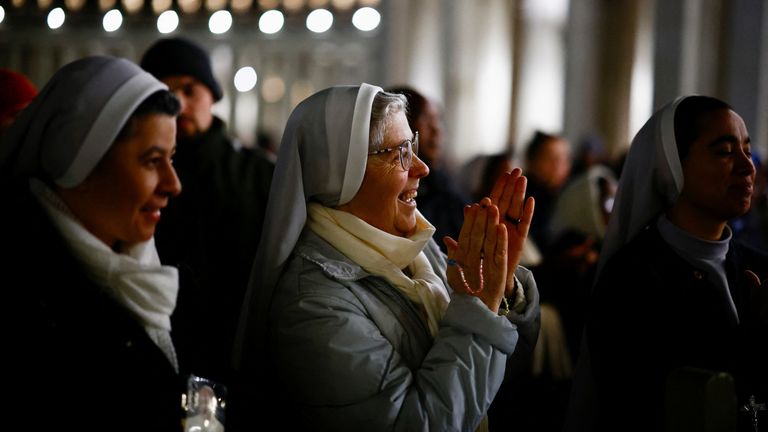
x,y
212,230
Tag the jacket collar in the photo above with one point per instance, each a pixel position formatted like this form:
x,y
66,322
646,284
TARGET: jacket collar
x,y
333,263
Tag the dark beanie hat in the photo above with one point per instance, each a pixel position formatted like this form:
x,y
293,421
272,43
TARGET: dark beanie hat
x,y
179,56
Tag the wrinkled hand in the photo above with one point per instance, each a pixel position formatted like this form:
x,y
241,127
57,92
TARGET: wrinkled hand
x,y
482,239
516,211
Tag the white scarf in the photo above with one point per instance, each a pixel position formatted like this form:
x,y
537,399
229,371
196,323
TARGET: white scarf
x,y
383,254
135,278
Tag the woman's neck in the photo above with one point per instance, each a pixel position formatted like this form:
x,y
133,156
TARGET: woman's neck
x,y
695,223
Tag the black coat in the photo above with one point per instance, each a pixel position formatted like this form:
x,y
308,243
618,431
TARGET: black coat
x,y
74,357
211,232
653,313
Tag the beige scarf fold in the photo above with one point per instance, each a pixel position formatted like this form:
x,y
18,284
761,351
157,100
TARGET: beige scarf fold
x,y
135,278
383,254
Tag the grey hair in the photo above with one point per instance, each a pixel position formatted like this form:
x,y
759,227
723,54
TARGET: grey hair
x,y
385,105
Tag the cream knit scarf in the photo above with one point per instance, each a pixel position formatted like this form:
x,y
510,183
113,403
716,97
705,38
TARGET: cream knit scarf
x,y
135,278
383,254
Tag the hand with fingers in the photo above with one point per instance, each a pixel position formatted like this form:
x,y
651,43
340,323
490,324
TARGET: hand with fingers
x,y
758,300
478,260
516,211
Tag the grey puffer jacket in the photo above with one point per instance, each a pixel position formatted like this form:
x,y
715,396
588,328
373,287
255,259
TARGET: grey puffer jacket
x,y
353,353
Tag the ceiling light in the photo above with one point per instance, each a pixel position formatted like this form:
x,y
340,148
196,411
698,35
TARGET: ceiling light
x,y
220,22
319,20
366,19
167,21
112,20
271,21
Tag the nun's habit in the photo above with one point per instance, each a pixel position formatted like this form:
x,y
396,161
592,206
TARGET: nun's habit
x,y
659,303
91,343
347,344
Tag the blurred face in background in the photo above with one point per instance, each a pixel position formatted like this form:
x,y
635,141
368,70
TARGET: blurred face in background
x,y
430,128
196,103
552,164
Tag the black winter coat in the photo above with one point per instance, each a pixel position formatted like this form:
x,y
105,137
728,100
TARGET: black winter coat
x,y
652,313
74,357
211,232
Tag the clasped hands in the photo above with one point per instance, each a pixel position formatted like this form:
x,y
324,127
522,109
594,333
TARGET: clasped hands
x,y
491,241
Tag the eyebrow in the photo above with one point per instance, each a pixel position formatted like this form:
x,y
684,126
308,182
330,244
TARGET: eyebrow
x,y
729,139
400,143
157,149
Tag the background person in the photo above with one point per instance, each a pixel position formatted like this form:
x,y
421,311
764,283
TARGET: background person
x,y
86,173
16,91
440,199
548,165
211,232
673,290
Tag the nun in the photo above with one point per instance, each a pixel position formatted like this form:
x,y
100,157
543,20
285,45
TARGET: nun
x,y
675,295
86,172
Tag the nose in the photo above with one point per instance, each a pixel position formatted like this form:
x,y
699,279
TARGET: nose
x,y
744,163
170,184
418,168
179,93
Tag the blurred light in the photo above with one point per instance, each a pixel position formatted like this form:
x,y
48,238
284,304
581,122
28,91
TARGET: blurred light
x,y
371,3
314,4
240,5
245,79
74,5
17,3
167,21
44,4
319,20
366,19
189,6
112,20
343,4
549,10
352,54
301,90
271,21
220,22
325,54
268,4
273,89
215,5
133,6
160,6
56,18
293,5
2,14
105,5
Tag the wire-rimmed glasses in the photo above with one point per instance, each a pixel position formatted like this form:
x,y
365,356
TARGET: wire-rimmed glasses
x,y
408,149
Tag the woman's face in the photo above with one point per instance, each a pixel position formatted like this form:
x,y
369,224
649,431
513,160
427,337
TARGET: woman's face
x,y
718,171
430,133
120,201
387,196
552,165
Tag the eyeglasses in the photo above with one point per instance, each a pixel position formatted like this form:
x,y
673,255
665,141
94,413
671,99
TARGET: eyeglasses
x,y
408,149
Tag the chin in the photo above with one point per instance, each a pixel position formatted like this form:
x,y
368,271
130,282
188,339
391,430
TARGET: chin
x,y
408,230
144,236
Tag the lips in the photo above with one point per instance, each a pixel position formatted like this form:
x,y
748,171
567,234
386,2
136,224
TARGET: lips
x,y
409,197
152,212
744,188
